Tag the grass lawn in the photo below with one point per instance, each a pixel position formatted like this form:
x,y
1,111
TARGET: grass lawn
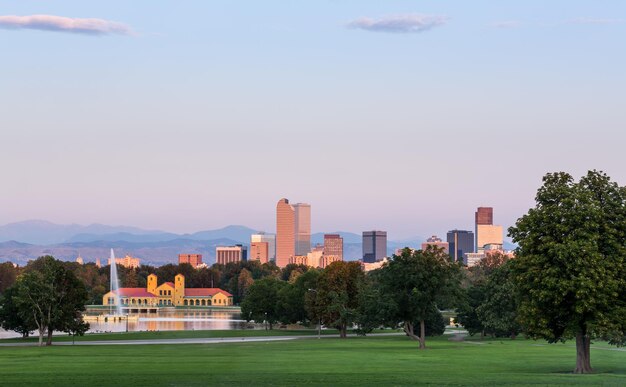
x,y
376,361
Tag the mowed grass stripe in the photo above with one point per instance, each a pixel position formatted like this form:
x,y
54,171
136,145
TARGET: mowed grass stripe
x,y
355,361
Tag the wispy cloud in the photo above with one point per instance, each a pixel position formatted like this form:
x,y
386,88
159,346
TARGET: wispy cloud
x,y
65,24
597,21
507,24
412,23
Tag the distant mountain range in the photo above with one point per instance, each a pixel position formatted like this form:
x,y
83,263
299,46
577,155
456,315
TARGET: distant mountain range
x,y
22,241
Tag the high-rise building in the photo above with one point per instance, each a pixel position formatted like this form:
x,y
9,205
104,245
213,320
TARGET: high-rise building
x,y
460,242
484,215
333,245
293,231
486,232
374,246
228,254
259,251
194,260
271,243
285,232
303,228
437,242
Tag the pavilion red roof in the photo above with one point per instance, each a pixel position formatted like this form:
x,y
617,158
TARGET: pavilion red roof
x,y
134,292
168,283
205,292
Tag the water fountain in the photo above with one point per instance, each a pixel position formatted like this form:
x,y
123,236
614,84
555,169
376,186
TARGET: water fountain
x,y
115,285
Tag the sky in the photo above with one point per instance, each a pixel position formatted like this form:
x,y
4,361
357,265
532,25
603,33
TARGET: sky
x,y
396,115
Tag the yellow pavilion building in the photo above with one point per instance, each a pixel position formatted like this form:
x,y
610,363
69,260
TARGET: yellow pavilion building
x,y
168,294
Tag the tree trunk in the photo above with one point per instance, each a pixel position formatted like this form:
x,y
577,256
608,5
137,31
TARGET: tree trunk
x,y
49,340
343,331
513,336
41,331
270,326
583,353
408,329
422,334
482,334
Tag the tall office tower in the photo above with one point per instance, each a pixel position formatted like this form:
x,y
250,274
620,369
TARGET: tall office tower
x,y
333,245
303,228
192,259
486,232
293,231
460,242
374,246
285,232
484,215
437,242
271,243
259,251
228,254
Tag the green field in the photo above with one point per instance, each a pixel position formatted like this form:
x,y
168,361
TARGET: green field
x,y
379,361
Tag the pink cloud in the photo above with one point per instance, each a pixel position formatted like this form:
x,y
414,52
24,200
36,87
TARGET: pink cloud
x,y
65,24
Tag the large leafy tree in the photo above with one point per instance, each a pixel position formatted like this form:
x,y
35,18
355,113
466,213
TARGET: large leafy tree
x,y
498,311
51,296
292,298
261,302
336,298
10,317
418,282
570,269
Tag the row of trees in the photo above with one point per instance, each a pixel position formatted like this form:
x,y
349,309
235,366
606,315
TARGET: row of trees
x,y
47,297
408,292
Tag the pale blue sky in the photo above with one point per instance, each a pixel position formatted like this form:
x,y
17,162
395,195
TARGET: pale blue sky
x,y
210,111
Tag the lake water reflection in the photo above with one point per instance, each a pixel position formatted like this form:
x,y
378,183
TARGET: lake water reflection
x,y
175,320
170,320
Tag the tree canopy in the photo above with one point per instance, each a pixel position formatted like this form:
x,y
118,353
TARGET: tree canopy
x,y
570,268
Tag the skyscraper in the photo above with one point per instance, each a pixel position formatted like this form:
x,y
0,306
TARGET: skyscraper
x,y
303,228
293,231
460,242
271,243
486,232
374,246
333,245
259,251
285,232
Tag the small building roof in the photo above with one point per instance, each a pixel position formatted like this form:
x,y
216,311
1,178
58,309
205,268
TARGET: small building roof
x,y
205,292
134,292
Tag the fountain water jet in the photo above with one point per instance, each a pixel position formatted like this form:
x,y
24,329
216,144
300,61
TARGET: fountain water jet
x,y
115,285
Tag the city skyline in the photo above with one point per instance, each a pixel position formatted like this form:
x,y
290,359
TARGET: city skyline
x,y
393,115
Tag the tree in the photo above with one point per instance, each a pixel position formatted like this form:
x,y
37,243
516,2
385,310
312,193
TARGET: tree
x,y
8,275
292,298
498,311
244,281
570,267
261,302
474,294
418,281
51,295
335,299
10,318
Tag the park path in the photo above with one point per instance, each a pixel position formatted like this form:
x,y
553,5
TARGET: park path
x,y
213,340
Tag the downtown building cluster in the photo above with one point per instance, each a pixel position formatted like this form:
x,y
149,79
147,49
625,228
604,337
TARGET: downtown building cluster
x,y
292,242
